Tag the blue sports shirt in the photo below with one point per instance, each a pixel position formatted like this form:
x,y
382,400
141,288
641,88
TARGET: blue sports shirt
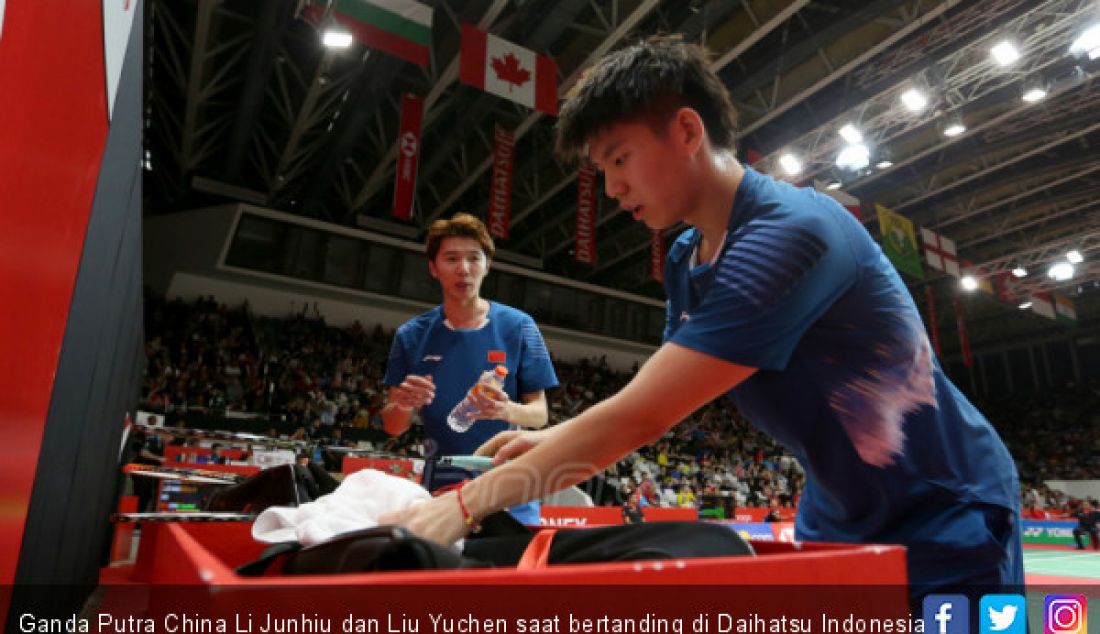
x,y
847,382
425,345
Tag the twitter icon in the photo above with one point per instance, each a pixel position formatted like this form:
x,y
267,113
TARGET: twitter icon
x,y
1002,614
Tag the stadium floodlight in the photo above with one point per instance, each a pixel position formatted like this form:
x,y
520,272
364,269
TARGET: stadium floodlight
x,y
790,164
1060,271
850,134
337,39
954,129
884,164
1005,53
914,100
833,186
1035,94
1019,271
1074,257
854,157
1025,305
969,283
1088,42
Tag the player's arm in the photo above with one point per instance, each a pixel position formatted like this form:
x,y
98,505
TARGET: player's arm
x,y
675,382
415,391
532,413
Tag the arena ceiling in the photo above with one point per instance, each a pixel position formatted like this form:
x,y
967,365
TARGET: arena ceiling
x,y
245,104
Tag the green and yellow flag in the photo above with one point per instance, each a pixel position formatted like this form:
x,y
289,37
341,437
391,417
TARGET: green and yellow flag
x,y
899,243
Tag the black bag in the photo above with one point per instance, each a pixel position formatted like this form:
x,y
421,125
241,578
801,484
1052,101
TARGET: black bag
x,y
387,548
378,549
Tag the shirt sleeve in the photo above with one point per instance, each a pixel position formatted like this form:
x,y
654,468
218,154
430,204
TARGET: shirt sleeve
x,y
536,372
778,275
397,367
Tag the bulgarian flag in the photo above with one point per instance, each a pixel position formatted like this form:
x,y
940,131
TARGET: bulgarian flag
x,y
508,70
402,28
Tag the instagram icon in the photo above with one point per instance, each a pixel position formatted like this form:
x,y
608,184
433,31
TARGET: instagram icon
x,y
1065,614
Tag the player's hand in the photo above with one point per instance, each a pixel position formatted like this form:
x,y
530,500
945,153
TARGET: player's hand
x,y
414,392
510,444
492,404
438,519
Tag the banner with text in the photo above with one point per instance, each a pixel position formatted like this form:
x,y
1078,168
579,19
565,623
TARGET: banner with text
x,y
584,249
500,194
408,155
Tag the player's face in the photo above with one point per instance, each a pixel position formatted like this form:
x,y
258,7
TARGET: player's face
x,y
460,266
642,170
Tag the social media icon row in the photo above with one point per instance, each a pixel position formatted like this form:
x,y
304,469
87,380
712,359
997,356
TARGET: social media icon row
x,y
1004,614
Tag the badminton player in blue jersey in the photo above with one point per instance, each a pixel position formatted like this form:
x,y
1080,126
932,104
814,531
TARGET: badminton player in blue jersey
x,y
437,356
778,297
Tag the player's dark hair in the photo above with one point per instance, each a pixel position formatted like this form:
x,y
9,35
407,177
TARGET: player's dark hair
x,y
460,226
649,80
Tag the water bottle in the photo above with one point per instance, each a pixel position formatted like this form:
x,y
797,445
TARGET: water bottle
x,y
462,416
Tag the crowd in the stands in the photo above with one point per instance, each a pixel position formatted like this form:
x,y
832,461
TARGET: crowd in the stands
x,y
322,385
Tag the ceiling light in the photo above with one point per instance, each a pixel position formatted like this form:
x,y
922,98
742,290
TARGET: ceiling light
x,y
1060,271
1034,94
337,39
854,157
851,134
790,164
833,186
1074,257
1019,271
914,100
1088,42
884,164
968,283
1025,305
955,129
1005,52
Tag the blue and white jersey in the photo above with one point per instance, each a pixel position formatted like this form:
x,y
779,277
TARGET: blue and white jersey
x,y
846,380
455,358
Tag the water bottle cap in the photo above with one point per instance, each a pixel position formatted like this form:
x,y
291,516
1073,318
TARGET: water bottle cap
x,y
501,371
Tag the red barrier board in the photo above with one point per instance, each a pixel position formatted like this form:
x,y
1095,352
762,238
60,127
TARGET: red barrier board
x,y
609,515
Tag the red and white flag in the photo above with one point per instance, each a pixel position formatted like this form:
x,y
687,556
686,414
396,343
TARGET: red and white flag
x,y
657,255
500,192
584,249
507,70
408,155
1042,303
846,200
940,252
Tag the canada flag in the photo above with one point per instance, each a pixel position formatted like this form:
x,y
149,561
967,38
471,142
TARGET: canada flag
x,y
500,67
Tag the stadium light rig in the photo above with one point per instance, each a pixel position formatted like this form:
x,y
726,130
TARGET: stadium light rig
x,y
337,39
969,283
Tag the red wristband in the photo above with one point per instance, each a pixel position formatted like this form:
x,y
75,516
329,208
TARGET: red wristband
x,y
467,516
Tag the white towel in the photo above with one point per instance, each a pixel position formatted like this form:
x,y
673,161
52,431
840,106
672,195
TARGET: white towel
x,y
356,504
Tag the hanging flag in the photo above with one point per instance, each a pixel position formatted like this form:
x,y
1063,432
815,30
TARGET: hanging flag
x,y
657,255
1007,288
507,70
898,242
846,200
584,249
933,326
408,155
1043,304
402,28
964,341
752,157
500,193
1063,308
985,283
939,251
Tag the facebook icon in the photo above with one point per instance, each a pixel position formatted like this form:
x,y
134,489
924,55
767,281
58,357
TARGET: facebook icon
x,y
946,614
